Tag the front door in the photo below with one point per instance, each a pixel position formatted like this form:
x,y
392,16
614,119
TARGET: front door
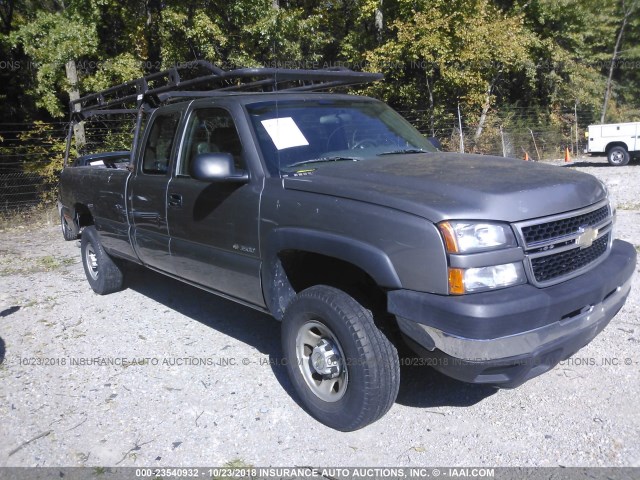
x,y
214,226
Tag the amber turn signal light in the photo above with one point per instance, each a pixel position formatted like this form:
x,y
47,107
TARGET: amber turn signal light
x,y
449,236
456,282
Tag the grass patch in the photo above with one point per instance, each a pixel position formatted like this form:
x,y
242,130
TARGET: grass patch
x,y
629,206
28,266
33,217
235,464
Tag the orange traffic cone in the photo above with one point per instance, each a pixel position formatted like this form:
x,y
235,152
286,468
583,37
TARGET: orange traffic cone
x,y
567,158
526,157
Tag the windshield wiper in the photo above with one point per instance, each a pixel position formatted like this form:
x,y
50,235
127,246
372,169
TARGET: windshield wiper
x,y
403,151
323,159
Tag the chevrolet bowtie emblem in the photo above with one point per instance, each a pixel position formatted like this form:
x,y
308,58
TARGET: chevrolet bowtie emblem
x,y
586,237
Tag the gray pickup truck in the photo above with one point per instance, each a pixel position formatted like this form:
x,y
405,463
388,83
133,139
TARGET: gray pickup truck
x,y
334,215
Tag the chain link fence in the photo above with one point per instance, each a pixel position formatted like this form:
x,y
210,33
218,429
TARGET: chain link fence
x,y
32,157
513,133
27,156
20,191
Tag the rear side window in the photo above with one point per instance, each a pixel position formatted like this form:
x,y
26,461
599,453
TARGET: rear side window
x,y
157,149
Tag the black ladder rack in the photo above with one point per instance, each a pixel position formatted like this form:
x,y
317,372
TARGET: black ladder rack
x,y
182,81
202,79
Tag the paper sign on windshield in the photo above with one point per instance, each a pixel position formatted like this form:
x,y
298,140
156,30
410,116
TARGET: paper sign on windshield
x,y
284,132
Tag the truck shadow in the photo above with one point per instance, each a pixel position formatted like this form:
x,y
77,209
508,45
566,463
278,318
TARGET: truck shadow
x,y
583,164
420,386
424,387
242,323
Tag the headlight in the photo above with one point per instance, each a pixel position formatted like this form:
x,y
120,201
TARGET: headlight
x,y
467,237
473,280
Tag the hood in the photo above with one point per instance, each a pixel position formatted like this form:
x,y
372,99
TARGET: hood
x,y
448,186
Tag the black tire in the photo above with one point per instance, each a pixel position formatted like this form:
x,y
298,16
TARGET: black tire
x,y
618,156
67,232
361,367
103,273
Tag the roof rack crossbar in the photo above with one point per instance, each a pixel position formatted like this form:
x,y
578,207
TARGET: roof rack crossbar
x,y
322,86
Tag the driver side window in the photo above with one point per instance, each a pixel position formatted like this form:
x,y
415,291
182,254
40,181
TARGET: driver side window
x,y
211,130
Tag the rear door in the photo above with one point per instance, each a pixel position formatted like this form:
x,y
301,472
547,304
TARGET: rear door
x,y
214,226
148,189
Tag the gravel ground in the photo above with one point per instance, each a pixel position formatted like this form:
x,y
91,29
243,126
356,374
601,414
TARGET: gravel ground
x,y
195,380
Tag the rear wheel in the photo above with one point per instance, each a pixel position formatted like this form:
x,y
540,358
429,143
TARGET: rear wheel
x,y
618,156
103,273
67,232
345,371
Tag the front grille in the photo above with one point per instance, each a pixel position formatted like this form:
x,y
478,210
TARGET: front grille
x,y
566,226
555,249
564,263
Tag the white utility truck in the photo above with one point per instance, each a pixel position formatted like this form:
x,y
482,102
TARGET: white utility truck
x,y
618,141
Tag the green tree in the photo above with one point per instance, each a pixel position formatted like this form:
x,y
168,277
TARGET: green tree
x,y
627,11
452,52
55,40
574,43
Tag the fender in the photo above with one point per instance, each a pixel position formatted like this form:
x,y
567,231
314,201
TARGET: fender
x,y
276,288
617,143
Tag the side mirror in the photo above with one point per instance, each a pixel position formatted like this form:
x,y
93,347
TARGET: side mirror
x,y
216,167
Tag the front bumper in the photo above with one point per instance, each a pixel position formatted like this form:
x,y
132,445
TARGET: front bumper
x,y
509,336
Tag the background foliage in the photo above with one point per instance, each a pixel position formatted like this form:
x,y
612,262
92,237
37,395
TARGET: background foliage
x,y
435,53
520,65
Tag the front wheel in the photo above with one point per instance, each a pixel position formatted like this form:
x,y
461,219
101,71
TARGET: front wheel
x,y
618,156
343,368
104,275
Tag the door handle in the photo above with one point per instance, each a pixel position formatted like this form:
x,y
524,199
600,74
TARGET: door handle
x,y
175,200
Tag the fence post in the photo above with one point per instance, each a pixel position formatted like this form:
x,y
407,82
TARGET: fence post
x,y
576,117
504,147
461,132
535,144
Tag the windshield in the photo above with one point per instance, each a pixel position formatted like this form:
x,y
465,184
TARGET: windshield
x,y
298,135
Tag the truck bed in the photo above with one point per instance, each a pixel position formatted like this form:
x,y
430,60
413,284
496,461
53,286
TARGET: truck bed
x,y
100,188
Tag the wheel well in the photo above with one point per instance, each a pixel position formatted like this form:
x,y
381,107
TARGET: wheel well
x,y
616,144
305,269
83,215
